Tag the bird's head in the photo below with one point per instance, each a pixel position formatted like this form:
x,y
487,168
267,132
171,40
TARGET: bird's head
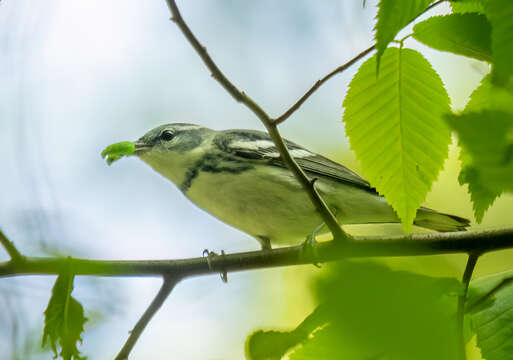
x,y
173,149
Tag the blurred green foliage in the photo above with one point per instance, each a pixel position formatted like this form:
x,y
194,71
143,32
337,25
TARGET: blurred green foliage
x,y
491,318
368,311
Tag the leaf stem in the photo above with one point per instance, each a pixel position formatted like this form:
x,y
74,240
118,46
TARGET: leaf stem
x,y
69,289
467,275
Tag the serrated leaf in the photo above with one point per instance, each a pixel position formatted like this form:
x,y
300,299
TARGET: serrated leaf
x,y
392,16
116,151
395,127
64,319
500,14
492,320
485,96
462,34
482,197
377,313
488,138
467,6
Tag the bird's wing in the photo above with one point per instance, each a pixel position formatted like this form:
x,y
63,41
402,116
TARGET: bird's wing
x,y
258,146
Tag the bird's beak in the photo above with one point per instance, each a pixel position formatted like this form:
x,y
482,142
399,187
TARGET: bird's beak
x,y
140,147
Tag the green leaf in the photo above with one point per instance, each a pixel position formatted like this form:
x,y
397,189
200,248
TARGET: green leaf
x,y
492,319
269,345
64,319
500,14
272,345
482,197
467,6
378,313
486,96
488,138
462,34
392,16
118,150
325,345
395,127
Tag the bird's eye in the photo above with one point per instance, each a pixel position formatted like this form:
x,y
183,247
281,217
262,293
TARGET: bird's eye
x,y
167,135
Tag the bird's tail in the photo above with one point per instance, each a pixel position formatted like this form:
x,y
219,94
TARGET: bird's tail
x,y
433,220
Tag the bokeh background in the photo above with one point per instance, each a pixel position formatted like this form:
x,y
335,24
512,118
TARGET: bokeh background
x,y
78,75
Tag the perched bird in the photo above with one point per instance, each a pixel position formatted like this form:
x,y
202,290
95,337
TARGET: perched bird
x,y
239,177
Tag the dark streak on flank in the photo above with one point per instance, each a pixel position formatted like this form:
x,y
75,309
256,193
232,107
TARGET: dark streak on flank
x,y
214,163
190,175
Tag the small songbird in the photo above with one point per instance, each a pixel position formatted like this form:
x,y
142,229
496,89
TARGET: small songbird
x,y
239,177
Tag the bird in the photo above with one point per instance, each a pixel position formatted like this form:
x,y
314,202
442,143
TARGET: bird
x,y
238,176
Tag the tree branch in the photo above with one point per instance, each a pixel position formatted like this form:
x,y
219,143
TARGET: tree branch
x,y
467,275
167,286
318,84
376,246
271,126
10,248
338,70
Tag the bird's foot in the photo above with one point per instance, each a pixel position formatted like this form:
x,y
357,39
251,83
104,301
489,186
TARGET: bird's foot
x,y
212,254
265,242
309,248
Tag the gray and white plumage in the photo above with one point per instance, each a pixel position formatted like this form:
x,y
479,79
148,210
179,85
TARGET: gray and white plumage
x,y
238,177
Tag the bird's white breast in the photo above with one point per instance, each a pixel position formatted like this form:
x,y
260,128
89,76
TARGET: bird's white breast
x,y
267,203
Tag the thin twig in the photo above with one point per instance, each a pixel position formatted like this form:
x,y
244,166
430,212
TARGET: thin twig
x,y
10,248
321,206
338,70
436,3
467,275
379,246
167,286
318,84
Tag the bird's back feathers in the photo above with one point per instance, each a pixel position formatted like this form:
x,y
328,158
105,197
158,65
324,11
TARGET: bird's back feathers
x,y
259,146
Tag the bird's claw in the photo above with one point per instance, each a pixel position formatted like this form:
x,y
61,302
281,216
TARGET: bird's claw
x,y
309,249
309,246
209,255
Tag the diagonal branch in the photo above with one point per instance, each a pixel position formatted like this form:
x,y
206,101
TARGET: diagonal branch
x,y
10,248
338,70
271,126
318,84
167,286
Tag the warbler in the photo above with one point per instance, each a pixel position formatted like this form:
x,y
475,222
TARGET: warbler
x,y
239,177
